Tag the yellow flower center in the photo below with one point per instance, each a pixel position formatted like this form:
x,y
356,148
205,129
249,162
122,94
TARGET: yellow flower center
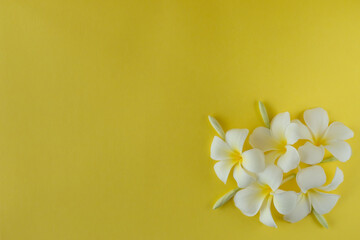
x,y
281,146
266,190
318,141
236,156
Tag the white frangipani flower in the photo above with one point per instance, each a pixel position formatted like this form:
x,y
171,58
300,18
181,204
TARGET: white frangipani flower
x,y
321,136
277,142
311,180
260,195
229,153
259,176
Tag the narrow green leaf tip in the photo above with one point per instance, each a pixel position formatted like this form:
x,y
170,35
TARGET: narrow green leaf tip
x,y
329,159
264,114
224,199
321,219
215,124
288,178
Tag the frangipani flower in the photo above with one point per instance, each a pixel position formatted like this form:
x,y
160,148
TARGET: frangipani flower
x,y
311,180
260,176
321,136
229,153
277,140
260,195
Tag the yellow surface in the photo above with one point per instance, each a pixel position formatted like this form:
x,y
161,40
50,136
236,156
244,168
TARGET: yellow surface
x,y
104,104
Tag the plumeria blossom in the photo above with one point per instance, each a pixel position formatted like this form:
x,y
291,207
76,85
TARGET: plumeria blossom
x,y
277,141
229,154
259,176
259,196
311,181
321,135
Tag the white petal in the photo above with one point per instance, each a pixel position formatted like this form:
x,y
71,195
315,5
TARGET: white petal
x,y
311,154
297,130
338,131
271,176
323,202
337,180
242,178
285,201
270,157
301,210
265,213
261,138
220,150
317,120
339,149
236,138
223,168
279,124
291,133
310,177
289,160
254,160
249,200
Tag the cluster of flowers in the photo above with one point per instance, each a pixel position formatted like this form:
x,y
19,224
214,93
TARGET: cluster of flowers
x,y
259,172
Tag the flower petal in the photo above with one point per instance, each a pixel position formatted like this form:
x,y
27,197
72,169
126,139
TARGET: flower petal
x,y
223,168
338,131
289,160
254,160
271,176
323,202
337,180
220,150
291,133
310,177
311,154
236,138
261,138
297,130
265,213
317,120
285,201
249,200
339,149
301,210
270,157
242,178
279,124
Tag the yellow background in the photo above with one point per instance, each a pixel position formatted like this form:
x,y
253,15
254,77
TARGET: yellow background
x,y
103,111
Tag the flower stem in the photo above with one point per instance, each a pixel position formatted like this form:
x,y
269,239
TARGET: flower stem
x,y
264,114
329,159
321,219
224,199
